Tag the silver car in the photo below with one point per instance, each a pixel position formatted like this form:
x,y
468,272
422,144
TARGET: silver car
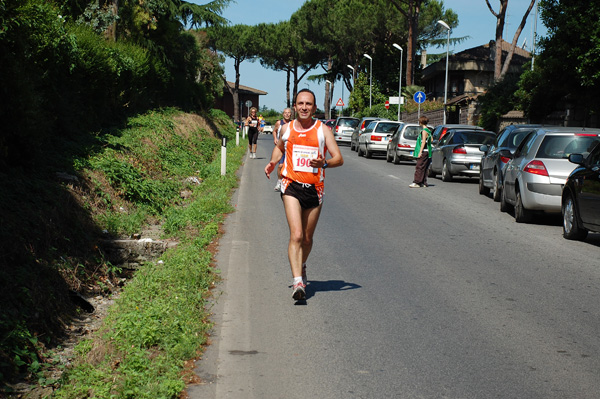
x,y
402,143
360,128
535,175
458,153
343,128
375,138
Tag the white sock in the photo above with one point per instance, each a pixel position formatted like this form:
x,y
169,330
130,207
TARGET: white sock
x,y
297,280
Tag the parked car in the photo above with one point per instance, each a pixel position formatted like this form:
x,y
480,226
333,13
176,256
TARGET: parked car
x,y
539,168
330,123
458,153
581,196
402,143
343,128
440,130
360,128
375,137
493,165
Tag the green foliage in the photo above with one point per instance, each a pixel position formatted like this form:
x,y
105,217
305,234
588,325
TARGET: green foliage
x,y
567,71
498,100
64,78
48,244
159,321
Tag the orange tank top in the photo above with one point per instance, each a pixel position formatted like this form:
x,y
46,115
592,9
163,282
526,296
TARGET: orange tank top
x,y
300,147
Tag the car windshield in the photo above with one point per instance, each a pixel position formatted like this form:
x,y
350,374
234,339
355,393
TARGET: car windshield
x,y
348,122
557,147
473,137
386,127
412,132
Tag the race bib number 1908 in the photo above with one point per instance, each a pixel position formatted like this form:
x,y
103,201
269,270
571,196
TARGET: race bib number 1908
x,y
302,155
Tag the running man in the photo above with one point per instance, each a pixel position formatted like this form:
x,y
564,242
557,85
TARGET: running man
x,y
287,116
305,142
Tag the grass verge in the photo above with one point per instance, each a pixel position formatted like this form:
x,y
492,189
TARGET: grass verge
x,y
127,179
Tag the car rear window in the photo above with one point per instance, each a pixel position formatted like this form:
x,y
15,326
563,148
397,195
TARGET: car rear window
x,y
412,132
515,138
348,122
386,127
473,137
557,147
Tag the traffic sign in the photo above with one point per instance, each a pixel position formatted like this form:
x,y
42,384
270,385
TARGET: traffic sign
x,y
248,103
387,105
419,97
339,103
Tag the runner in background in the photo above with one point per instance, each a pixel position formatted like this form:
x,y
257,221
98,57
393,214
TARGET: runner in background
x,y
287,116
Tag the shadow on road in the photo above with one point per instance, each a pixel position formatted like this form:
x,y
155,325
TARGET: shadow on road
x,y
330,285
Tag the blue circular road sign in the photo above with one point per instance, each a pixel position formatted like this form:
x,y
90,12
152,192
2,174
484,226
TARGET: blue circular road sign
x,y
419,97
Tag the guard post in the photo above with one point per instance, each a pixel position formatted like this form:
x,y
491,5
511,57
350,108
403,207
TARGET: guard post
x,y
223,156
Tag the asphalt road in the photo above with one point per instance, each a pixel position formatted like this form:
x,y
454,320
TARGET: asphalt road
x,y
413,293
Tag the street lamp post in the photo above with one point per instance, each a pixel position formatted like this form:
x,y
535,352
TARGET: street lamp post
x,y
342,113
329,97
399,82
445,25
370,78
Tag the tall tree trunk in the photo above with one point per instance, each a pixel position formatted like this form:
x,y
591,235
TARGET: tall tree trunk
x,y
236,92
500,19
287,89
111,31
514,42
328,90
412,11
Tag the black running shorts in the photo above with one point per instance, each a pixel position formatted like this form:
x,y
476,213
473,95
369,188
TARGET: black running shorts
x,y
306,194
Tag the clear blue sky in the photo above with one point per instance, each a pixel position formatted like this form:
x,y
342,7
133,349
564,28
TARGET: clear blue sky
x,y
475,20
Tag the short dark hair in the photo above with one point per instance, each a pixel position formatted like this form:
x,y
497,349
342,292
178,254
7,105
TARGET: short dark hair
x,y
305,91
423,120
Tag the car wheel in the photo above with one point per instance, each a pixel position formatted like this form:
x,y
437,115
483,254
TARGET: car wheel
x,y
522,215
446,176
571,229
351,146
483,190
497,188
359,150
368,153
430,172
388,158
396,158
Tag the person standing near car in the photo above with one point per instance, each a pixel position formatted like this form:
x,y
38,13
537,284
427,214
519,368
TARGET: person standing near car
x,y
305,142
423,154
287,116
253,129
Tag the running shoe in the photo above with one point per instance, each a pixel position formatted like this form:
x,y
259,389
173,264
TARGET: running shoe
x,y
414,185
278,185
299,291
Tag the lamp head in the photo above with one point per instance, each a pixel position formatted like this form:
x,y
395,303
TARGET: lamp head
x,y
397,46
368,56
445,25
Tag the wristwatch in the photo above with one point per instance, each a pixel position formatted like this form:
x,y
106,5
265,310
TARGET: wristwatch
x,y
325,165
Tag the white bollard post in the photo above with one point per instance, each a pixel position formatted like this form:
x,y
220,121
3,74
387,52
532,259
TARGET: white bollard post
x,y
245,132
224,157
237,136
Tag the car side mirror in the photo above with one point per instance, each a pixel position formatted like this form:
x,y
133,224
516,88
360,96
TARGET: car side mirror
x,y
484,148
576,159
